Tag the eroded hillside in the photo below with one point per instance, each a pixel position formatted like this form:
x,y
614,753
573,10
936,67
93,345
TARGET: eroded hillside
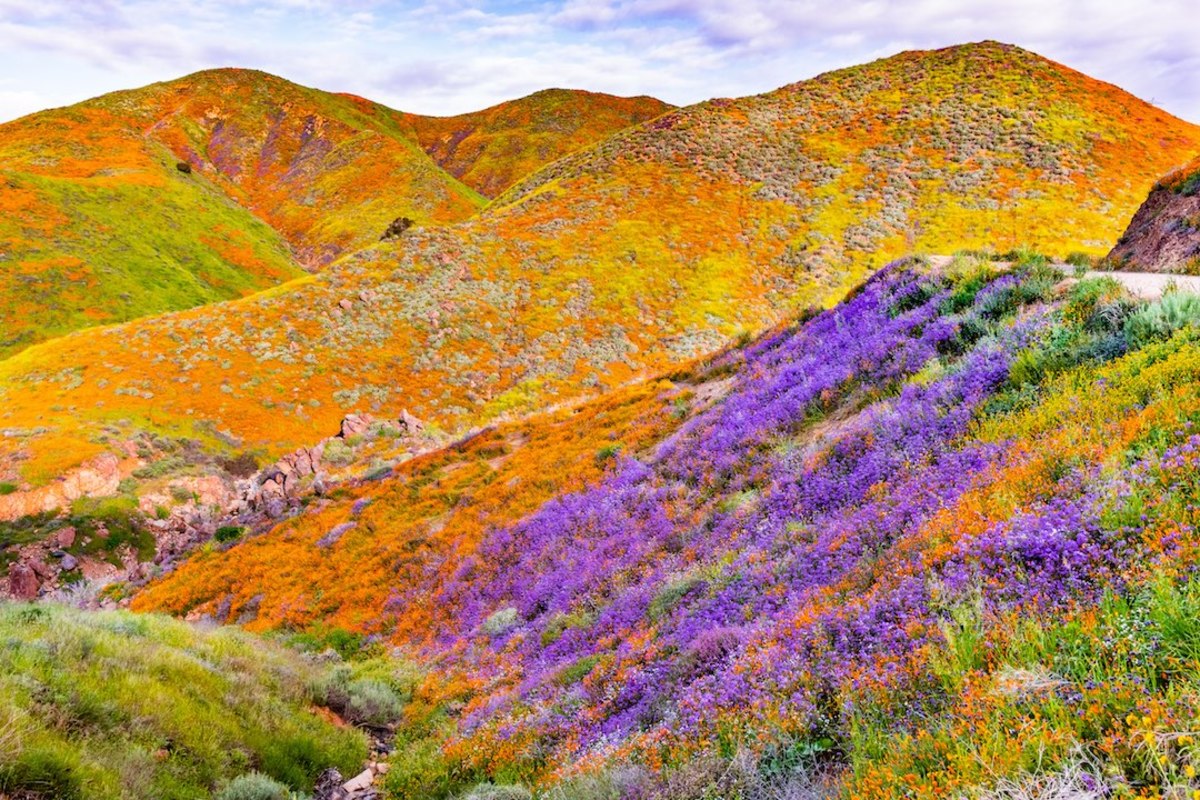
x,y
1165,233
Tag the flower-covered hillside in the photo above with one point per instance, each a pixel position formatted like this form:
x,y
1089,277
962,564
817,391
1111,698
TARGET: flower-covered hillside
x,y
619,262
889,550
201,189
490,150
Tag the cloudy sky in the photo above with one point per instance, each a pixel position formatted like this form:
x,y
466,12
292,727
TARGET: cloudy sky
x,y
449,56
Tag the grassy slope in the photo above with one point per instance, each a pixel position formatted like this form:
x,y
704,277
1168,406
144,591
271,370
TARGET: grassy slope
x,y
661,243
98,226
490,150
116,705
942,649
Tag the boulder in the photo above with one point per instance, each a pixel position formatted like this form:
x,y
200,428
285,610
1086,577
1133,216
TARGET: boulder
x,y
69,563
409,422
355,425
23,583
65,537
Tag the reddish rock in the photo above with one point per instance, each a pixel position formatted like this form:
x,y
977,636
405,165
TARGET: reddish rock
x,y
65,537
355,425
23,584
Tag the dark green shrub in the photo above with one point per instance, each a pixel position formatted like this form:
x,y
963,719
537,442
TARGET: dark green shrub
x,y
229,533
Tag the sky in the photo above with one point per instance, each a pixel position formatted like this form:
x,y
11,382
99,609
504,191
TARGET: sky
x,y
452,56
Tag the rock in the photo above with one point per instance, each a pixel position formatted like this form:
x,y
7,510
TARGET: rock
x,y
23,584
410,423
329,786
69,563
41,569
345,305
99,477
355,425
184,167
65,537
359,782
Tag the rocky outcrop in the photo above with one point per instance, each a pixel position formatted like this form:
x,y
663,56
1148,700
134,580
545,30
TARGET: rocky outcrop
x,y
99,477
1164,235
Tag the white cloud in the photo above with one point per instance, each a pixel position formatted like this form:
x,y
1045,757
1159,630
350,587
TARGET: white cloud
x,y
457,55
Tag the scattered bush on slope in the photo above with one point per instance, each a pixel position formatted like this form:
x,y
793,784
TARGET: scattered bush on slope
x,y
627,258
116,705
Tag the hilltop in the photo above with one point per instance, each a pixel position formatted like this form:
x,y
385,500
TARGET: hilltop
x,y
102,223
490,150
1165,233
932,542
661,243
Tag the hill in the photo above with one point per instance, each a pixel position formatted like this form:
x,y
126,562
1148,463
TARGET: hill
x,y
100,226
116,705
661,243
1164,235
490,150
933,542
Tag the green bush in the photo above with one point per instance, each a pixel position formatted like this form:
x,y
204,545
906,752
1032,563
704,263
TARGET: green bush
x,y
254,786
488,791
229,533
1157,321
7,488
369,701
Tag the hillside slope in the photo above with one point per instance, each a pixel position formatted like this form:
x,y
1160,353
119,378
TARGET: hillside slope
x,y
662,243
490,150
1164,235
100,226
936,539
112,705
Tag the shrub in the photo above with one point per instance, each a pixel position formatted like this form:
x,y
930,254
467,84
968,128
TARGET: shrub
x,y
41,772
254,786
501,621
488,791
1078,259
229,533
363,701
373,703
7,488
1158,320
338,453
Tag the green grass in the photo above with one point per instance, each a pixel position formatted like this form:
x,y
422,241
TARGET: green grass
x,y
117,705
143,250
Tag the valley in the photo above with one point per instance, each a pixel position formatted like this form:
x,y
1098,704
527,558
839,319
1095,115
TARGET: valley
x,y
833,442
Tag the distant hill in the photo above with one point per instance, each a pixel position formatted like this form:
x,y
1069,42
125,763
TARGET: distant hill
x,y
492,149
662,242
101,226
1164,235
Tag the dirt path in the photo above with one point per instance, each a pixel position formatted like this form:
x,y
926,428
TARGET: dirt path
x,y
1151,285
1147,285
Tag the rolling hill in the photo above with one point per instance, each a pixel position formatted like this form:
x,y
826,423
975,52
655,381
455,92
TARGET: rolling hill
x,y
100,225
660,243
490,150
